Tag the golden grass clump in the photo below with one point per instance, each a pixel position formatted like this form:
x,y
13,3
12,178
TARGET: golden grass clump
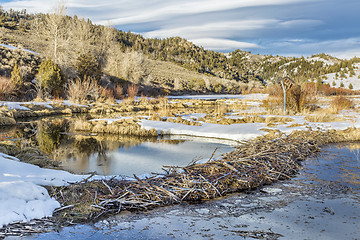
x,y
323,117
79,91
7,88
340,103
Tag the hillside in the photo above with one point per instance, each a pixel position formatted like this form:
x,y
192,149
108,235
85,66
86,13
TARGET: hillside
x,y
157,66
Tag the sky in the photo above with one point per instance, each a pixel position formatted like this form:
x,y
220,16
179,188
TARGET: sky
x,y
276,27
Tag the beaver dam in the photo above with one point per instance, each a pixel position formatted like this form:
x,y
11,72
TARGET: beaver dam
x,y
255,163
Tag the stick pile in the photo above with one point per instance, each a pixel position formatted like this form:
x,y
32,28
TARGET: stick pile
x,y
255,163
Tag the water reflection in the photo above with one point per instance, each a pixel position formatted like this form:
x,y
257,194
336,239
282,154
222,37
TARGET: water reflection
x,y
341,166
125,155
112,154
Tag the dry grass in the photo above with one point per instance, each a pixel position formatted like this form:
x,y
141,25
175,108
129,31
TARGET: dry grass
x,y
7,88
132,91
79,91
298,98
323,117
281,120
340,103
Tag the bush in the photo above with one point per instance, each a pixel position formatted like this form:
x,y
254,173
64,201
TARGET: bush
x,y
79,91
7,88
297,98
16,78
50,77
340,103
118,92
132,91
88,66
218,87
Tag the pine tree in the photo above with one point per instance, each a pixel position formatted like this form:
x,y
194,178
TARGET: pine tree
x,y
351,87
88,66
50,77
16,78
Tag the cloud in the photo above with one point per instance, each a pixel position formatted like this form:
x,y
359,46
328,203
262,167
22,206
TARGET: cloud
x,y
283,27
215,29
143,10
301,23
31,5
223,44
341,48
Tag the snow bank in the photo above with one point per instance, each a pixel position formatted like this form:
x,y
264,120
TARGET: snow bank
x,y
255,96
243,131
22,196
235,132
14,48
20,105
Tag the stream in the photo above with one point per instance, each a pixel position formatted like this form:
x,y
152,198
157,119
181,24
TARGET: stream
x,y
321,202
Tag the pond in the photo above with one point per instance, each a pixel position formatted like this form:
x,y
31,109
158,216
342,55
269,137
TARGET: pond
x,y
121,155
321,202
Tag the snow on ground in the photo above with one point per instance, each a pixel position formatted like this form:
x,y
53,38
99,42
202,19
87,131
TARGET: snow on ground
x,y
22,196
22,105
354,80
14,48
224,96
240,132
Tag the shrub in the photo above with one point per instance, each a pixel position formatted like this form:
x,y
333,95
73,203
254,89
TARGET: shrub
x,y
79,91
118,91
16,78
297,98
50,77
351,87
132,91
217,87
340,103
107,94
88,66
7,88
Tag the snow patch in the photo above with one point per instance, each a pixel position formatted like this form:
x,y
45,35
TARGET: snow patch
x,y
22,196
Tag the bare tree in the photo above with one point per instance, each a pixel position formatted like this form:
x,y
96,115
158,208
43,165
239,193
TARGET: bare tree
x,y
55,30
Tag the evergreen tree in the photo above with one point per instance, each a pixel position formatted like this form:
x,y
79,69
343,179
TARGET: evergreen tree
x,y
50,77
16,78
351,87
88,66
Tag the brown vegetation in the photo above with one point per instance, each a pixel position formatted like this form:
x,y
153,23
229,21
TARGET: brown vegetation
x,y
340,103
7,88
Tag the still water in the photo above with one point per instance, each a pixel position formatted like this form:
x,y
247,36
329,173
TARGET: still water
x,y
321,202
120,155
